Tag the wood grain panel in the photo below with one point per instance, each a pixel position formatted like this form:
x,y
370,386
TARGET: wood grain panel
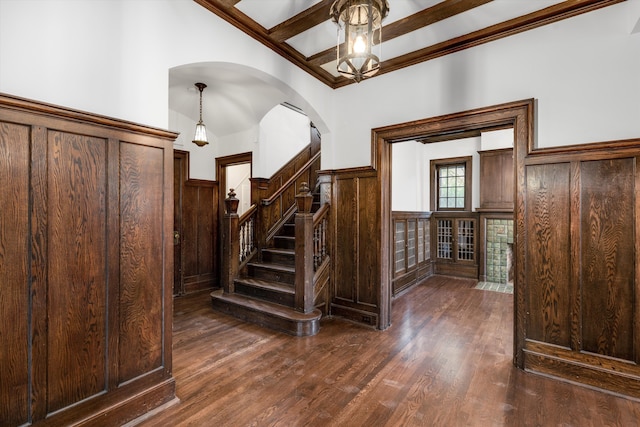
x,y
14,273
367,230
190,213
547,253
497,179
141,260
76,303
608,240
206,242
60,265
345,223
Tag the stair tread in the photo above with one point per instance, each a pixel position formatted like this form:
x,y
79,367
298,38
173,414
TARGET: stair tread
x,y
266,306
282,251
267,284
273,266
282,236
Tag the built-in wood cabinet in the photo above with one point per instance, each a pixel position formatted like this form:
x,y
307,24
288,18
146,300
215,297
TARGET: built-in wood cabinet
x,y
496,180
454,239
412,249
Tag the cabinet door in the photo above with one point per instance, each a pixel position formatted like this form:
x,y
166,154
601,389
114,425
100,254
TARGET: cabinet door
x,y
465,245
411,244
400,236
455,240
444,242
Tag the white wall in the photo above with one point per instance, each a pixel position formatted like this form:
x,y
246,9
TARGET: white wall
x,y
408,178
411,163
112,57
583,71
283,134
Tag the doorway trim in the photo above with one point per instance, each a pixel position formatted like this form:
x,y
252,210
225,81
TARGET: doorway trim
x,y
519,115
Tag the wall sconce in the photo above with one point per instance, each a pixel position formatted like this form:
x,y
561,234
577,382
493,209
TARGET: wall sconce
x,y
200,137
359,33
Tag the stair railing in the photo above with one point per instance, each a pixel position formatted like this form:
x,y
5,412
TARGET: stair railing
x,y
276,209
310,247
238,239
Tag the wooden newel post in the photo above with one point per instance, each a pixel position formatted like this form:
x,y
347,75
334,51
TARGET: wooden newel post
x,y
304,250
230,242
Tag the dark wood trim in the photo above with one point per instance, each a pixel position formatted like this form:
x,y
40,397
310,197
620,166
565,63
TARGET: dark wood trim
x,y
275,38
518,114
241,21
428,16
514,26
305,20
304,169
11,102
468,180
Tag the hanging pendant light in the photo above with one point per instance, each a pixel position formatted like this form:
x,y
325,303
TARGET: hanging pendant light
x,y
200,137
359,36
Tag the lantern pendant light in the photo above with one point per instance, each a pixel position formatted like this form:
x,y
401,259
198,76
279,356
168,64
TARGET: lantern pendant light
x,y
359,36
200,137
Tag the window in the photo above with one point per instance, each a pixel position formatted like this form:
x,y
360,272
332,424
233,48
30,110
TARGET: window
x,y
451,184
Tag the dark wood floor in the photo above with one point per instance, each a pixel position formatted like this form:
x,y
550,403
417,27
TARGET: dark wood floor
x,y
445,361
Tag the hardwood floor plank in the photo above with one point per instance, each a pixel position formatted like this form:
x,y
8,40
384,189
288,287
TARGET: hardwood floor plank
x,y
446,360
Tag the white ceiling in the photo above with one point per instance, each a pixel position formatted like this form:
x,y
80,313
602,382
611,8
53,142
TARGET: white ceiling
x,y
269,13
237,98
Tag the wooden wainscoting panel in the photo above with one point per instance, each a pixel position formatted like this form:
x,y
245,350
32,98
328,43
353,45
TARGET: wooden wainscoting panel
x,y
608,244
547,256
345,222
14,274
368,223
77,281
581,263
141,260
86,261
356,263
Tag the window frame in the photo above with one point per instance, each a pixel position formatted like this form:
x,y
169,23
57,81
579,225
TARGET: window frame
x,y
435,165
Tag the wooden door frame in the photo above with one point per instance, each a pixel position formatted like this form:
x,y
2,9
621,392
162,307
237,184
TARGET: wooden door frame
x,y
520,115
183,156
221,177
222,163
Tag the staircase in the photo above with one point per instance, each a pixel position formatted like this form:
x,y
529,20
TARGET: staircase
x,y
264,291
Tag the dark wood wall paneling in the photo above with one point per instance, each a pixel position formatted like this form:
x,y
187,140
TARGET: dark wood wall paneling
x,y
86,255
497,180
581,215
356,227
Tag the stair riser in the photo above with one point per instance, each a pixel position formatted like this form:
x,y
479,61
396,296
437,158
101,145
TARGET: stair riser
x,y
288,230
265,294
277,258
268,274
282,242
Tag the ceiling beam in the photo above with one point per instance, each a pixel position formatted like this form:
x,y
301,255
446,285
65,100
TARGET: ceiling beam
x,y
274,38
557,12
305,20
431,15
245,24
